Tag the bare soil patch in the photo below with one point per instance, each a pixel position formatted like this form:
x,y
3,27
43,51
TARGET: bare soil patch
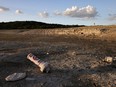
x,y
76,59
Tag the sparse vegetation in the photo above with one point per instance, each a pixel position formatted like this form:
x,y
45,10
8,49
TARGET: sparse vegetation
x,y
32,25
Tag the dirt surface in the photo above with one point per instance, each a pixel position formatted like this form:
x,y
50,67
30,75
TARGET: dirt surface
x,y
76,57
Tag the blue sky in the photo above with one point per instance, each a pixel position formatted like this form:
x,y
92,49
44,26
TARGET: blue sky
x,y
82,12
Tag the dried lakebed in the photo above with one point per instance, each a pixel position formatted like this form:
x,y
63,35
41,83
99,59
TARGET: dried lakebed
x,y
75,62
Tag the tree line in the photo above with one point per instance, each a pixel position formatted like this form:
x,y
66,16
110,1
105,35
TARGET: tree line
x,y
32,25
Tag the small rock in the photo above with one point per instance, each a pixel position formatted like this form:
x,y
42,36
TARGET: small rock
x,y
108,59
30,79
15,76
114,58
71,53
47,53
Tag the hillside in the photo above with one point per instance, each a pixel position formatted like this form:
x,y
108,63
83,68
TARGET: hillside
x,y
32,25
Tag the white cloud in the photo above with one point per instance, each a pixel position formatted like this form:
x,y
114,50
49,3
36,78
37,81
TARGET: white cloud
x,y
3,9
112,17
84,12
18,12
57,13
44,14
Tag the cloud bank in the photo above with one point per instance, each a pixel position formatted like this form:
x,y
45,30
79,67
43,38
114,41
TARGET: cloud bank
x,y
76,12
18,12
3,9
44,14
112,17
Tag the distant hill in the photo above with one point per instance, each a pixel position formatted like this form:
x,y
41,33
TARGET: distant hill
x,y
32,25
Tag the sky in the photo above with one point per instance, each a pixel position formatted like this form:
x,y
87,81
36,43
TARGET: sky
x,y
81,12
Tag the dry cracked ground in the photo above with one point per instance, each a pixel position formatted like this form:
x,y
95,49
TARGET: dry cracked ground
x,y
76,57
